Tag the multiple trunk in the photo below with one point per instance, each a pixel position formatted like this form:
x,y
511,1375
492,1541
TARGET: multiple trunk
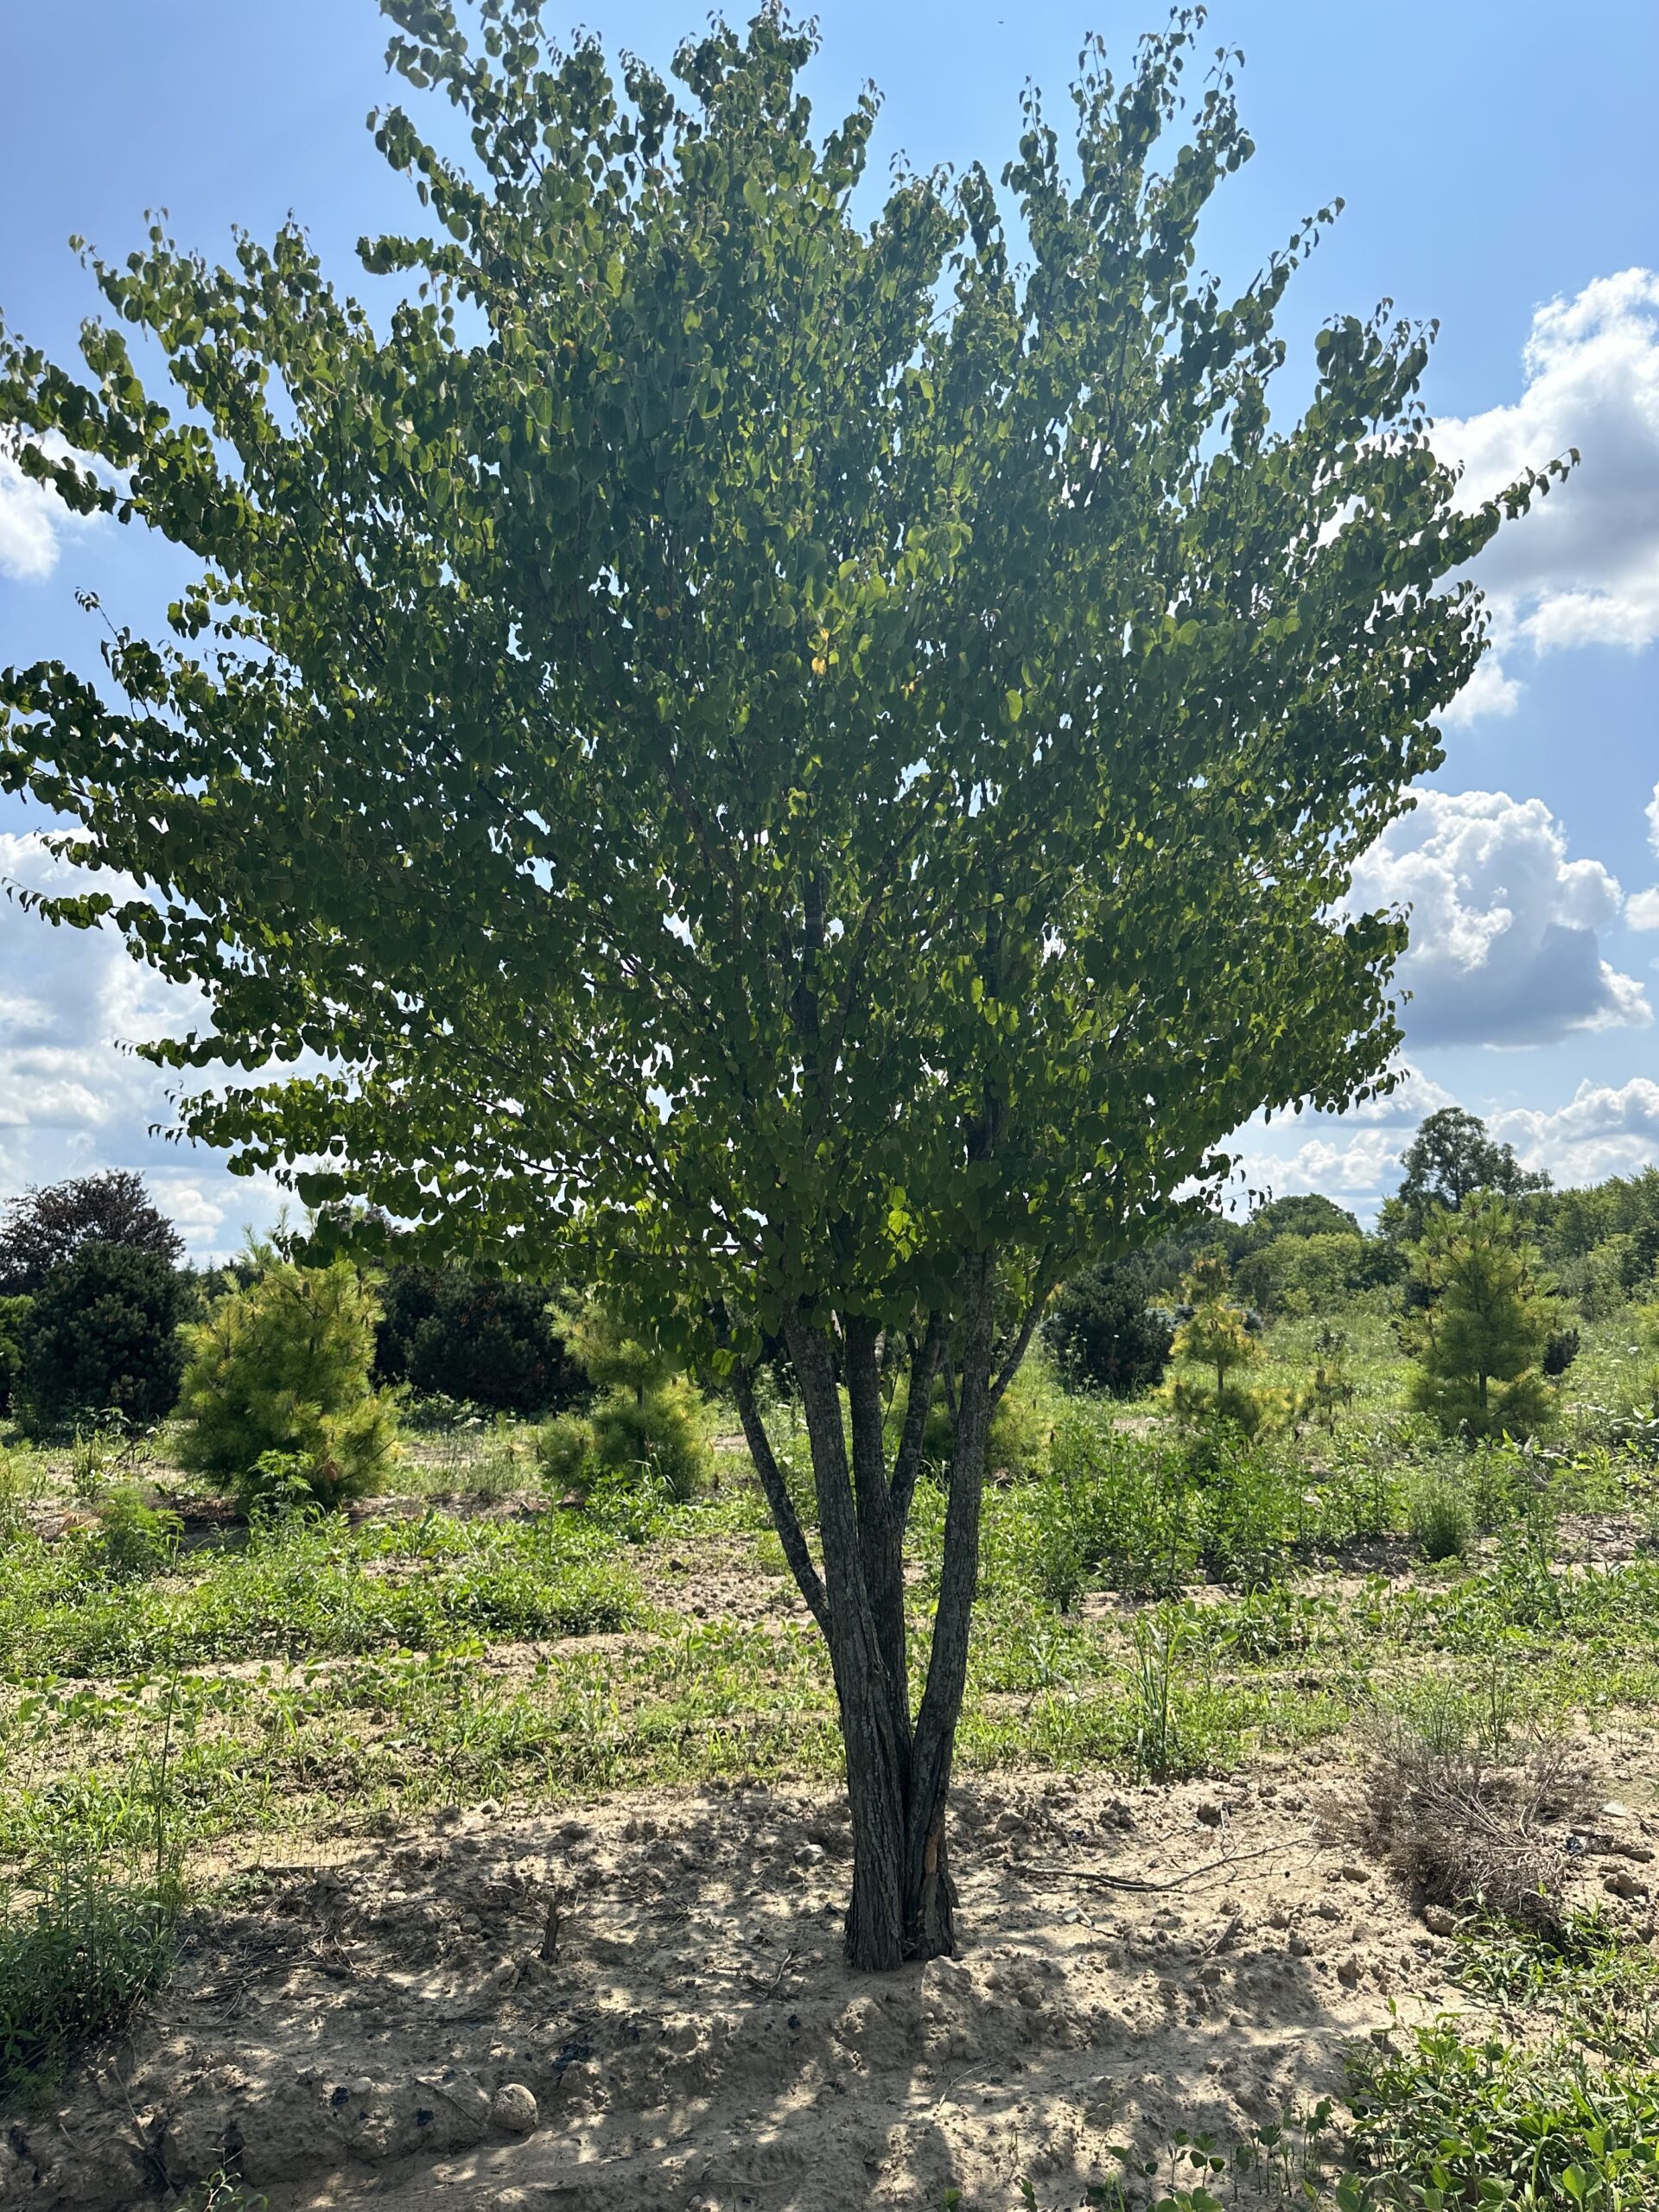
x,y
898,1764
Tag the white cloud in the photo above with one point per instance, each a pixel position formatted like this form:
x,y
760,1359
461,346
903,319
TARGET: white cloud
x,y
70,1100
1505,930
1583,567
33,522
1416,1095
1489,691
1358,1166
1601,1131
1642,908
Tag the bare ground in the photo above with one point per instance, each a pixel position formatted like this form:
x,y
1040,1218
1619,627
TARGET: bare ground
x,y
691,2038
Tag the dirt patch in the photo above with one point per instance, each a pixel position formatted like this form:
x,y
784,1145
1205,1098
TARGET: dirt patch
x,y
718,1578
662,1976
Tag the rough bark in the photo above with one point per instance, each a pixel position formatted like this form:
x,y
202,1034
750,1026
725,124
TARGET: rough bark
x,y
877,1752
898,1770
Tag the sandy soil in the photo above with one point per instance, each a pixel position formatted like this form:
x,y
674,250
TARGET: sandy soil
x,y
366,2031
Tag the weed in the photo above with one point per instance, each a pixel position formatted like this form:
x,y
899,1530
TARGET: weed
x,y
1589,1981
1446,2121
1246,1511
136,1539
1442,1521
223,2192
77,1959
1161,1745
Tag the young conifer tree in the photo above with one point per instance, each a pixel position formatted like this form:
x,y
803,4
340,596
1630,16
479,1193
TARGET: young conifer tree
x,y
1480,1335
1218,1346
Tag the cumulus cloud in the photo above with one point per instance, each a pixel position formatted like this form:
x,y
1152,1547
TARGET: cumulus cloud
x,y
1642,911
1489,691
1505,929
1353,1156
34,523
1602,1130
1412,1097
71,1099
1583,568
1351,1168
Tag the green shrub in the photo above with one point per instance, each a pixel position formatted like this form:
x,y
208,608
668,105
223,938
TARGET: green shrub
x,y
102,1337
647,1417
480,1340
283,1367
1021,1430
1331,1390
1441,1519
1103,1335
76,1961
564,1450
14,1322
1560,1350
658,1431
135,1539
1244,1511
1113,1509
1167,1735
277,1490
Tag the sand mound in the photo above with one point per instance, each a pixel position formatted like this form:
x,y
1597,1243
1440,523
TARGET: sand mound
x,y
662,1976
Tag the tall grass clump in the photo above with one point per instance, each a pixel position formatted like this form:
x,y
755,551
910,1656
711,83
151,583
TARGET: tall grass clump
x,y
1441,1519
89,1923
78,1957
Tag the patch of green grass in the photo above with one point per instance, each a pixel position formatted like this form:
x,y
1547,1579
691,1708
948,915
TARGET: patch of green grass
x,y
77,1959
304,1588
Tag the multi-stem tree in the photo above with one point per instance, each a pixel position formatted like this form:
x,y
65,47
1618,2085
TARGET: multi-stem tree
x,y
761,746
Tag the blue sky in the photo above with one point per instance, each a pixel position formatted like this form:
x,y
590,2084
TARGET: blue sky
x,y
1498,176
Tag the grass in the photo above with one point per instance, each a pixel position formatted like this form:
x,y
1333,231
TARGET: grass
x,y
77,1959
305,1588
1157,1605
336,1674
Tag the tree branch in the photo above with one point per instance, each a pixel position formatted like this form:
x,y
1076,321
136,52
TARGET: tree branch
x,y
780,1503
1021,1344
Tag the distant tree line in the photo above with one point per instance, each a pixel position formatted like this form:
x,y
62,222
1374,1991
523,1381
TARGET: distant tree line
x,y
94,1292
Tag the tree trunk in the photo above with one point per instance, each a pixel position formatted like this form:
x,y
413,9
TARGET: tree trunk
x,y
898,1772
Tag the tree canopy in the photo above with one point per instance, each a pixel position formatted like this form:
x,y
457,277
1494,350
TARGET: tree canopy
x,y
45,1227
1449,1159
787,756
